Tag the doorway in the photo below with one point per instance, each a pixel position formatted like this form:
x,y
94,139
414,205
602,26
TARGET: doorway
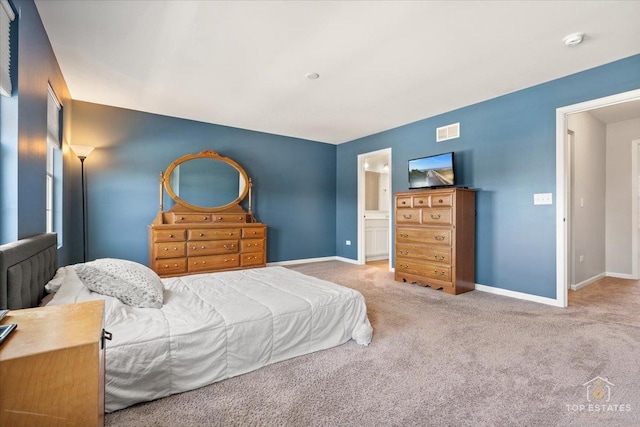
x,y
374,207
564,220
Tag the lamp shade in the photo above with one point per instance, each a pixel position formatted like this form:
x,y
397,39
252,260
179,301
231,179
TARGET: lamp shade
x,y
82,151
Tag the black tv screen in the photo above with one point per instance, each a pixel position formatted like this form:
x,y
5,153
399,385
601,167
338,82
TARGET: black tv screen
x,y
432,171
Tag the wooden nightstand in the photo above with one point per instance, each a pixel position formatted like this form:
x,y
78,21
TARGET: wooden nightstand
x,y
52,367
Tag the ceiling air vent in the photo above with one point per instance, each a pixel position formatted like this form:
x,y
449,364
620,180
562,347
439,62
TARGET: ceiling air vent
x,y
448,132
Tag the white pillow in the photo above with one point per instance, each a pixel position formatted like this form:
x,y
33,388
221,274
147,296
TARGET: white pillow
x,y
132,283
54,284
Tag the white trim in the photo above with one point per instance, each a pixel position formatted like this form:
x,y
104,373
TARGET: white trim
x,y
310,260
561,183
361,192
587,282
518,295
635,229
619,275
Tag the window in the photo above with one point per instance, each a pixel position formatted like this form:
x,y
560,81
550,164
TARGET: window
x,y
6,16
54,167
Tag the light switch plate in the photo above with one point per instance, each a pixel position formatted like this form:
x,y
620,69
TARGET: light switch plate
x,y
543,199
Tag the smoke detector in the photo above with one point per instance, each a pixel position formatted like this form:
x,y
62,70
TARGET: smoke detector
x,y
573,39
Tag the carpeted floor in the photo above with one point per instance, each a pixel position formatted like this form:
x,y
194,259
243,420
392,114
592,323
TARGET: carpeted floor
x,y
438,360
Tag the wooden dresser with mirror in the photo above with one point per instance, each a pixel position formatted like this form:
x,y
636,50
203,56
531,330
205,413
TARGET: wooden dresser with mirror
x,y
206,229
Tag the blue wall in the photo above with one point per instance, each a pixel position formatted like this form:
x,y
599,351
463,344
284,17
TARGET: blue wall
x,y
294,180
24,133
507,152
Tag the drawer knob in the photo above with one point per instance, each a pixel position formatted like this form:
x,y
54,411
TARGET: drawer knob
x,y
181,218
435,216
439,238
171,236
404,252
166,249
439,257
239,217
205,218
254,232
166,266
406,216
404,266
440,201
404,203
175,265
405,235
228,246
231,234
219,218
421,202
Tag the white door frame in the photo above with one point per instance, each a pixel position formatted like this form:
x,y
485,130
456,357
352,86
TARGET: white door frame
x,y
562,180
362,258
635,230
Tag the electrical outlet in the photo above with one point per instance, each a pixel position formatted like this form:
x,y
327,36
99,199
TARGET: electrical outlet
x,y
581,258
348,243
543,199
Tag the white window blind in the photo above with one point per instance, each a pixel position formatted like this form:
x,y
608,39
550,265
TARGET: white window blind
x,y
6,16
54,167
53,118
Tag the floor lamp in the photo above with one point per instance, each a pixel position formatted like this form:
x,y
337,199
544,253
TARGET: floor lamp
x,y
83,151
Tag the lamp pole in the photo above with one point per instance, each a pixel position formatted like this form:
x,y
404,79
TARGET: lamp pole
x,y
84,212
82,151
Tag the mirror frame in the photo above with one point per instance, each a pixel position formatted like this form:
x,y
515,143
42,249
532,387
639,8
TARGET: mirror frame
x,y
206,154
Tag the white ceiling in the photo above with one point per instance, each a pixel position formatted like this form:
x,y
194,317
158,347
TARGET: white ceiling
x,y
618,112
382,64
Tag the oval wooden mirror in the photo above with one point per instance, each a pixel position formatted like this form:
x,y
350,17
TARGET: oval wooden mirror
x,y
206,182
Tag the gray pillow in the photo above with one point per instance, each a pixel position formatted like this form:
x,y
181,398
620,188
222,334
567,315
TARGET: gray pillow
x,y
132,283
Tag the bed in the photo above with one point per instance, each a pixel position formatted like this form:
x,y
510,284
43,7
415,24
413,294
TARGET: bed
x,y
215,326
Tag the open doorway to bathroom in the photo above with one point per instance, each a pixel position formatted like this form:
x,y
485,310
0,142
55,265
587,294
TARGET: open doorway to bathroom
x,y
374,208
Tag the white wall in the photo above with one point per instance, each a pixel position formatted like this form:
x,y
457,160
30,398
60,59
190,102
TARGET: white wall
x,y
618,199
589,195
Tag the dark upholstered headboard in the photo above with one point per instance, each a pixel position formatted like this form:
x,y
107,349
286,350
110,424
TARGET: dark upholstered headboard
x,y
25,267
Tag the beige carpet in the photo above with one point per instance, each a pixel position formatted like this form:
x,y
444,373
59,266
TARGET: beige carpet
x,y
438,360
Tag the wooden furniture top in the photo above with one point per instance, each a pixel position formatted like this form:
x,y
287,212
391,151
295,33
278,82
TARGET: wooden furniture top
x,y
44,329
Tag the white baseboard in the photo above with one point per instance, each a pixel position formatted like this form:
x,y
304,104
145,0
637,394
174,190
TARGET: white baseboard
x,y
588,281
620,275
308,260
518,295
377,257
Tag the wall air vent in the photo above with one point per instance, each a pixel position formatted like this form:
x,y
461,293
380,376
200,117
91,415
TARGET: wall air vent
x,y
448,132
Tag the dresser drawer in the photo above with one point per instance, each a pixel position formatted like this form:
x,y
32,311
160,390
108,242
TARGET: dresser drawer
x,y
436,216
440,272
424,236
180,218
420,201
426,253
170,266
408,216
410,266
213,233
252,245
212,262
168,235
169,250
403,202
211,247
252,259
445,199
253,232
230,217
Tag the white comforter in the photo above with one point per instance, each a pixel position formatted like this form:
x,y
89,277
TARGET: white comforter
x,y
216,326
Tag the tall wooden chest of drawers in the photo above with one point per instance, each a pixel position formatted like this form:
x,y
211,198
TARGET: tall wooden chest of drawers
x,y
435,238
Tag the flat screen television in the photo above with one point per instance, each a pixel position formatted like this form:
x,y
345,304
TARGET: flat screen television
x,y
432,171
